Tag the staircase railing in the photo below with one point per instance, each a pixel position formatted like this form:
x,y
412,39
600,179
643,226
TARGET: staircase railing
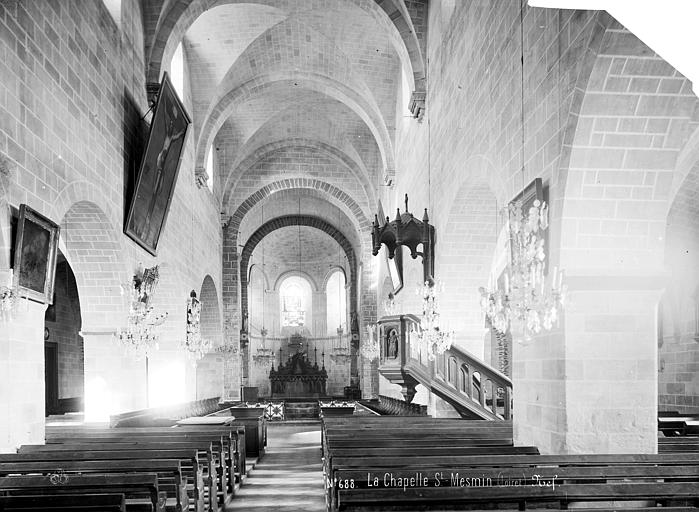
x,y
472,387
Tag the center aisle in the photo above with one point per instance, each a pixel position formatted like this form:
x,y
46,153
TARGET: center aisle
x,y
290,475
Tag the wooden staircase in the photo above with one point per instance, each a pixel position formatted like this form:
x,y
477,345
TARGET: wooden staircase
x,y
475,389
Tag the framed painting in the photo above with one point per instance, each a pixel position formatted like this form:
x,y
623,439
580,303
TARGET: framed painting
x,y
36,247
155,183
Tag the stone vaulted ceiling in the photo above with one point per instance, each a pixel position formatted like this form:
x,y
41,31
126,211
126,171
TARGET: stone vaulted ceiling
x,y
287,90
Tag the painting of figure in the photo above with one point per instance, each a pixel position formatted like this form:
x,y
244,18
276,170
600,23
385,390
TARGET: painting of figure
x,y
156,179
35,255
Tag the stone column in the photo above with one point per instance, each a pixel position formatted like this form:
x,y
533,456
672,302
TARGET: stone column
x,y
591,386
115,381
22,401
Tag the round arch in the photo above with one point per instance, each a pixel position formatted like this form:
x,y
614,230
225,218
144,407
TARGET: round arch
x,y
299,273
334,194
357,169
91,247
210,317
330,272
295,220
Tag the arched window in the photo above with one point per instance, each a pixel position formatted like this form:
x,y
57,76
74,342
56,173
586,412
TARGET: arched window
x,y
210,168
295,301
336,303
405,96
177,71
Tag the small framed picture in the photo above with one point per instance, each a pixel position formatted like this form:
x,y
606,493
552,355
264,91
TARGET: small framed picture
x,y
36,246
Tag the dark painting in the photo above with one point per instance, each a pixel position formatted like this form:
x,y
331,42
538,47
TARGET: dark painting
x,y
35,255
156,179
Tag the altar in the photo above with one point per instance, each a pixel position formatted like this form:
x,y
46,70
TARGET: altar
x,y
298,378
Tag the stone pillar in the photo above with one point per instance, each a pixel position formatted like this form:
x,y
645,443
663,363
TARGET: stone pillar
x,y
115,381
319,316
591,386
22,402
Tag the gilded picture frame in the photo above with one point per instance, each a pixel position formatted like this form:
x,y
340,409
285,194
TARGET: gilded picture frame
x,y
35,253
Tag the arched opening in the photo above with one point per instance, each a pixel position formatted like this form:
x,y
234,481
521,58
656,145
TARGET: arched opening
x,y
210,367
463,379
296,305
210,168
177,71
64,369
259,316
678,311
336,299
451,371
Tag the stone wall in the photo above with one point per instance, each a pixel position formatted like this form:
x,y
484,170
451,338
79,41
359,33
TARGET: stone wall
x,y
573,98
74,90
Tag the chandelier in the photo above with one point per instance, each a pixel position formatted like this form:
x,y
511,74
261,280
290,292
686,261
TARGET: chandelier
x,y
264,355
139,336
429,334
195,346
370,347
525,298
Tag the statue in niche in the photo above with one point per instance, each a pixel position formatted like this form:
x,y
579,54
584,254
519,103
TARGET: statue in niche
x,y
392,344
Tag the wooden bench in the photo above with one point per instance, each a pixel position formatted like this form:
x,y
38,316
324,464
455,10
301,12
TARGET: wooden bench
x,y
675,425
232,437
213,452
691,427
64,503
253,419
511,479
170,476
678,444
165,416
138,488
188,460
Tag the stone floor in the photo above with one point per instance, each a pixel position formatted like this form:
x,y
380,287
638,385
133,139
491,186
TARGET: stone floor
x,y
289,477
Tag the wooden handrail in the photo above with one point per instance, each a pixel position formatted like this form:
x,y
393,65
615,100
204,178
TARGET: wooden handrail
x,y
474,388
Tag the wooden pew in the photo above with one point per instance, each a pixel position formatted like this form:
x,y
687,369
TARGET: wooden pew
x,y
212,449
64,503
675,425
232,439
170,477
138,488
678,444
235,432
188,459
520,497
253,419
691,427
165,416
494,479
359,453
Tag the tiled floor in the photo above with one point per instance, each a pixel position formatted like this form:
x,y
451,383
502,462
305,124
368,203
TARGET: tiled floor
x,y
289,477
